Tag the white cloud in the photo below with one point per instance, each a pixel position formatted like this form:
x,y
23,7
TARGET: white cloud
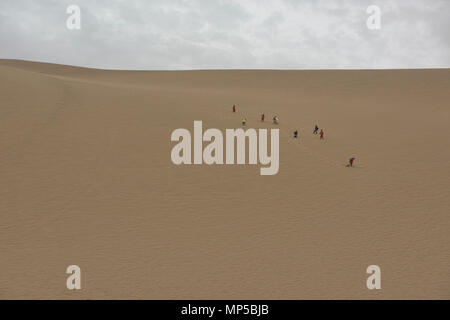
x,y
193,34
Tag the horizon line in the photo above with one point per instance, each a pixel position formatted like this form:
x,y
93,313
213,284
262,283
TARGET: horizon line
x,y
221,69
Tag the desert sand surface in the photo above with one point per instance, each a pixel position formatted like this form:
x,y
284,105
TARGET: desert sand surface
x,y
87,179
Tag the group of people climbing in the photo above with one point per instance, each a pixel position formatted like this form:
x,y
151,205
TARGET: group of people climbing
x,y
244,121
274,119
315,131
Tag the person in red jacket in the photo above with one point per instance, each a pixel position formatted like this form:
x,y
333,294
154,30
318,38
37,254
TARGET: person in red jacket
x,y
262,117
321,134
234,108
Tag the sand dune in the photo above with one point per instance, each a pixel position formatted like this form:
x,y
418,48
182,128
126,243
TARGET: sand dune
x,y
86,179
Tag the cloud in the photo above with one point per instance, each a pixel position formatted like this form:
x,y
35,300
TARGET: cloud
x,y
221,34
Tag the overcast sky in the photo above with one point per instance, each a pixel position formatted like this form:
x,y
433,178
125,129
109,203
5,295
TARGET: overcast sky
x,y
222,34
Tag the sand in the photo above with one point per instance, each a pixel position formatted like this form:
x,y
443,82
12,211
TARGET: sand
x,y
87,179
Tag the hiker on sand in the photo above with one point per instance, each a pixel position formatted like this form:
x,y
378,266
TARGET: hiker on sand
x,y
244,122
321,134
316,129
262,117
295,134
350,162
234,108
275,120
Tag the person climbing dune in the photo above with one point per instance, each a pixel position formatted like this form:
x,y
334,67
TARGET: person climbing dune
x,y
275,120
350,162
234,108
244,122
316,129
262,117
295,134
321,134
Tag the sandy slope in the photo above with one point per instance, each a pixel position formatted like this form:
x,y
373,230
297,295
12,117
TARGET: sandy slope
x,y
86,179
